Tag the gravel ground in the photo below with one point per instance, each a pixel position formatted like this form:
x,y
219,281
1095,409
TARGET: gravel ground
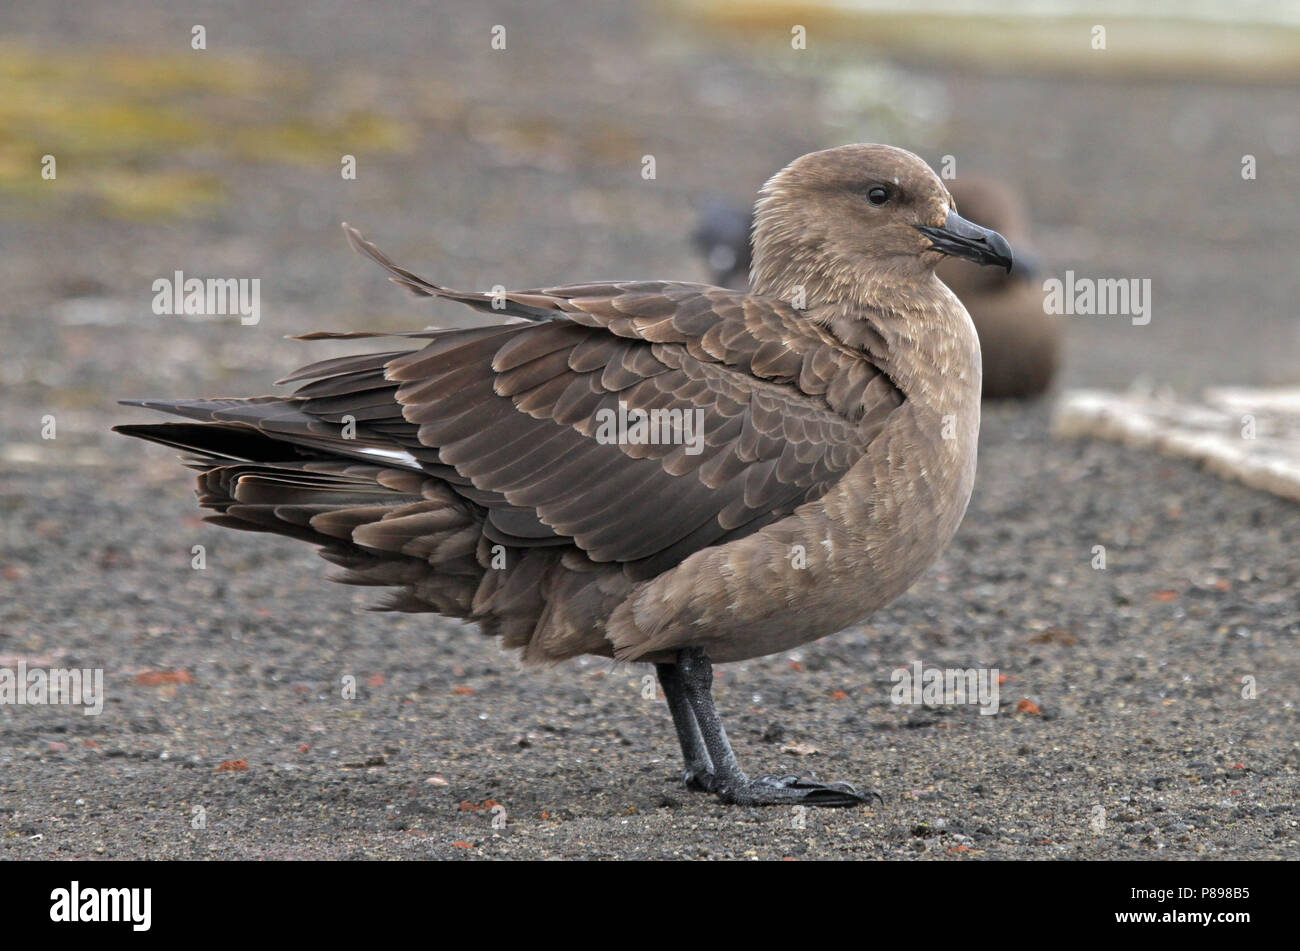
x,y
523,168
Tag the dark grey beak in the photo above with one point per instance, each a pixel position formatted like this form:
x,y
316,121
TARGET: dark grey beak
x,y
964,239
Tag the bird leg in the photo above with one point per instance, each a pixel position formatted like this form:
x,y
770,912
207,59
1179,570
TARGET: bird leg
x,y
710,762
699,768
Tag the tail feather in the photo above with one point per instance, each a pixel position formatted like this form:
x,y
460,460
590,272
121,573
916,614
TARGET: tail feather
x,y
338,464
274,428
232,441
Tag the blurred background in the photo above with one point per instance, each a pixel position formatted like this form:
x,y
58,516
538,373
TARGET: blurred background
x,y
523,166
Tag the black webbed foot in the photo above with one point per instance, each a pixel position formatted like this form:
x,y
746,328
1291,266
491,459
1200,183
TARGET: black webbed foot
x,y
710,762
791,791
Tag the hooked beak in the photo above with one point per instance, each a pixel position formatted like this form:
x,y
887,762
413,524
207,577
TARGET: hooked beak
x,y
964,239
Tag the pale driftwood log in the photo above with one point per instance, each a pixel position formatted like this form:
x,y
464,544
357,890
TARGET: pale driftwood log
x,y
1242,433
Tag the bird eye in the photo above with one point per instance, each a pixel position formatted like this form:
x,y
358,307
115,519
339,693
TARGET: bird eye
x,y
877,195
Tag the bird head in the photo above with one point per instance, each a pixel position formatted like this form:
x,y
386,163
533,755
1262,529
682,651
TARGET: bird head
x,y
862,216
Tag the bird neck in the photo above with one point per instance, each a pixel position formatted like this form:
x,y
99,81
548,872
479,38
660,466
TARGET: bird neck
x,y
893,310
910,333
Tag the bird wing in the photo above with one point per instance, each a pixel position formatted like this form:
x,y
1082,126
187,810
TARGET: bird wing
x,y
517,410
517,417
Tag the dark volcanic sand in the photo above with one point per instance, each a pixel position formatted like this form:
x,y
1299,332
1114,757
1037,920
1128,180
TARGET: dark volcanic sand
x,y
525,171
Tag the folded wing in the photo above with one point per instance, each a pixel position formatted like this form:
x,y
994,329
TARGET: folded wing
x,y
751,410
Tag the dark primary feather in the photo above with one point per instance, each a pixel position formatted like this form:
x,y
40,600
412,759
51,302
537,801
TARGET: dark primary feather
x,y
487,436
